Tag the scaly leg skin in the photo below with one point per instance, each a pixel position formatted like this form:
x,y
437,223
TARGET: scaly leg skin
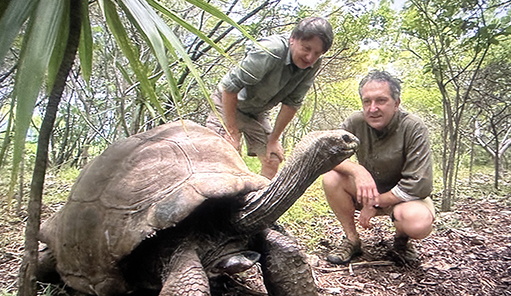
x,y
186,277
285,268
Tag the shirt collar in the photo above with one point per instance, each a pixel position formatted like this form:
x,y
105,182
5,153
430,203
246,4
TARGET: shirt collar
x,y
391,127
289,59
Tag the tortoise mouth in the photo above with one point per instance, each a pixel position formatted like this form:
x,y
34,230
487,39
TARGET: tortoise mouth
x,y
350,149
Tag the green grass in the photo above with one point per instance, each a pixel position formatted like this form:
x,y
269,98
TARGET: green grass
x,y
307,218
4,293
253,163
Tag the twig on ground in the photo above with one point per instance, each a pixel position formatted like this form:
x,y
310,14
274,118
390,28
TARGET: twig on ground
x,y
356,264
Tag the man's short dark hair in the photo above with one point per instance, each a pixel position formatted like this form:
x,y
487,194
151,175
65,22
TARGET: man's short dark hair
x,y
314,26
377,75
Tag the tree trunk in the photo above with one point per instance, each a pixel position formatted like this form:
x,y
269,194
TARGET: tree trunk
x,y
21,192
472,153
446,153
497,156
27,280
62,155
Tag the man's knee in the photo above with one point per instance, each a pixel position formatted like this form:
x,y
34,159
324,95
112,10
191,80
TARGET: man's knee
x,y
414,218
333,180
330,179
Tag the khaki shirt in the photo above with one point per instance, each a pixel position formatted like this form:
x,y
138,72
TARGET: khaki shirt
x,y
399,157
267,80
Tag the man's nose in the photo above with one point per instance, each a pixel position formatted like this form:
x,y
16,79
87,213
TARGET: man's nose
x,y
373,107
311,57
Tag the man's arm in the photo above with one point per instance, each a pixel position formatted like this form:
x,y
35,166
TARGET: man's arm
x,y
285,115
230,102
417,172
367,192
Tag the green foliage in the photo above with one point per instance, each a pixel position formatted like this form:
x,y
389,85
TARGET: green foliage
x,y
253,163
5,293
422,100
38,48
344,93
58,184
306,217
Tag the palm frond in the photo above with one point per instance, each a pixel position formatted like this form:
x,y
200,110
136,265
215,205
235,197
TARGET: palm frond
x,y
11,22
38,47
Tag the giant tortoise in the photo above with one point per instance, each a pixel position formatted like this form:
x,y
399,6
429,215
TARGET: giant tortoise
x,y
172,208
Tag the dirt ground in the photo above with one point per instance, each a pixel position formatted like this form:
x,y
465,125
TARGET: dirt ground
x,y
469,253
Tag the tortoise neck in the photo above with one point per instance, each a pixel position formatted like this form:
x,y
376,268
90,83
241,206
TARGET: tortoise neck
x,y
265,206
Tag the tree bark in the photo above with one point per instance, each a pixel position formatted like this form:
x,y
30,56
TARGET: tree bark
x,y
27,281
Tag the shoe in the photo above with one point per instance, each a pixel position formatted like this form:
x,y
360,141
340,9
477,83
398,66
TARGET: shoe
x,y
345,252
404,251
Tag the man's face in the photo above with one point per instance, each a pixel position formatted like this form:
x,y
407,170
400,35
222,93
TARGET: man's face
x,y
378,105
305,52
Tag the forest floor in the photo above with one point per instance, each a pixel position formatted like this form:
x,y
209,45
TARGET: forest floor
x,y
468,253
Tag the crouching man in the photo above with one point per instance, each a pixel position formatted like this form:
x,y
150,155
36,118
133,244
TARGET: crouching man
x,y
393,175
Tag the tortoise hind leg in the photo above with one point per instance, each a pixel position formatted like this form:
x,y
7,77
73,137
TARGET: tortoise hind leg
x,y
185,276
285,268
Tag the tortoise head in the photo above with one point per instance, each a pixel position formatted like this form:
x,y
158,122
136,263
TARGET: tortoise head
x,y
316,154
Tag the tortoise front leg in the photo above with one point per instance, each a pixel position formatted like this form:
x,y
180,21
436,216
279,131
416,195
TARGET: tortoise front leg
x,y
46,271
185,276
285,268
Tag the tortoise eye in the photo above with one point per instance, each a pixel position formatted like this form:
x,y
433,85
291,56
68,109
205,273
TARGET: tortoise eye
x,y
347,138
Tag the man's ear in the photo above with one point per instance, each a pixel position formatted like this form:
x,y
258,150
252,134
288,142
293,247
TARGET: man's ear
x,y
398,102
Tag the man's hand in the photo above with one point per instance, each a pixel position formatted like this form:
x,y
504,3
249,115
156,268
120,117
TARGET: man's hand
x,y
272,159
366,214
367,195
274,147
367,192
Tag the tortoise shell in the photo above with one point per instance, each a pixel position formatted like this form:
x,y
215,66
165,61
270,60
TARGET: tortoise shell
x,y
139,185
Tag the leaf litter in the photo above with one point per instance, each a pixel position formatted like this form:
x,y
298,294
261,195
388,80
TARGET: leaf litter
x,y
468,253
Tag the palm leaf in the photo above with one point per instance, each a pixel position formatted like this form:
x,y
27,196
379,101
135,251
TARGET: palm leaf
x,y
220,15
12,19
58,50
37,49
188,27
143,16
85,48
115,25
175,44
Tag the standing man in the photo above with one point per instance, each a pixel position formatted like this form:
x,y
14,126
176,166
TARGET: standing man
x,y
393,175
264,79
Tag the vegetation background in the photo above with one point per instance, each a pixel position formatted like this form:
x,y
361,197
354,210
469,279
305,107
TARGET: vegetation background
x,y
141,63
